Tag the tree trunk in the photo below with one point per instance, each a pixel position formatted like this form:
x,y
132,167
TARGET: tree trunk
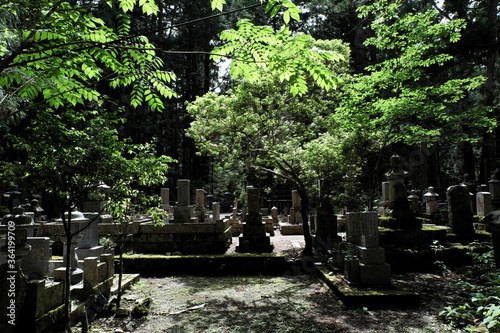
x,y
490,147
67,277
304,210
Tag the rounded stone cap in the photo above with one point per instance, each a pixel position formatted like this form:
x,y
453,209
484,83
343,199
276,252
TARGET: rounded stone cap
x,y
18,217
76,216
431,193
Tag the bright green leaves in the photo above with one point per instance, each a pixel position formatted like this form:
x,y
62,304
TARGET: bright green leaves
x,y
218,4
293,57
73,50
402,98
148,7
273,7
291,10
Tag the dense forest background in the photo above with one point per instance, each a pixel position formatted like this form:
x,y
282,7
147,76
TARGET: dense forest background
x,y
438,149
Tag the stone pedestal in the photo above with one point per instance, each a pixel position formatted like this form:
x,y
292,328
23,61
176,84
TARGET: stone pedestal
x,y
77,223
254,239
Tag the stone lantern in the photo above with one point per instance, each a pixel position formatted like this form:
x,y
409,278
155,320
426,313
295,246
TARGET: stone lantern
x,y
398,207
77,222
431,203
16,226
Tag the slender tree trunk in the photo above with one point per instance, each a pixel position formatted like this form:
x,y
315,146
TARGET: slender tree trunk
x,y
304,211
67,277
120,275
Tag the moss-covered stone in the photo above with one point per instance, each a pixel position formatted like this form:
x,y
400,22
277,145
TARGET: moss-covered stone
x,y
241,264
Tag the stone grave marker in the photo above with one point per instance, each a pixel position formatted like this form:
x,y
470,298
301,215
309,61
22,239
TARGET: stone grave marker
x,y
35,264
353,227
483,203
215,211
200,205
398,207
459,210
254,239
183,211
165,199
369,261
494,186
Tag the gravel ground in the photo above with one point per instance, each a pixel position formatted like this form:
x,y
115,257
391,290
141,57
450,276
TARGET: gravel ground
x,y
264,304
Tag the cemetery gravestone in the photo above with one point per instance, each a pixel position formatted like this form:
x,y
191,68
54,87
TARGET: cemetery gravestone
x,y
215,211
459,210
254,239
494,186
200,205
36,263
483,203
165,199
398,208
184,212
368,267
353,228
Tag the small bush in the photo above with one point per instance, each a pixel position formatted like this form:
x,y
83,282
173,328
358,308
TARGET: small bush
x,y
482,312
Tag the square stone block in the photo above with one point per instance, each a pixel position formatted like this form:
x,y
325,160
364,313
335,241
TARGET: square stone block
x,y
351,269
375,274
371,256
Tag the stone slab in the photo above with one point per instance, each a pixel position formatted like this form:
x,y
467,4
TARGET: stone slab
x,y
390,296
371,256
291,229
375,275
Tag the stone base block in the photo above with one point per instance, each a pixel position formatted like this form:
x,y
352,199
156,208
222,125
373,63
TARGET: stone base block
x,y
291,229
375,275
371,256
351,269
255,244
95,251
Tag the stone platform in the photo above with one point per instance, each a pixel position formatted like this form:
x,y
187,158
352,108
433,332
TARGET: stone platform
x,y
291,229
391,296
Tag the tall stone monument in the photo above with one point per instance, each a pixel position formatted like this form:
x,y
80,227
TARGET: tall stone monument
x,y
398,207
183,211
200,209
254,239
295,211
165,199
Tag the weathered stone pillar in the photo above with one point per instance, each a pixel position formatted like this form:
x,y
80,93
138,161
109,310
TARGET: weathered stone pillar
x,y
483,203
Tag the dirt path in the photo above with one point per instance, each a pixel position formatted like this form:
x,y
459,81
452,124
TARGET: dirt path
x,y
263,304
272,304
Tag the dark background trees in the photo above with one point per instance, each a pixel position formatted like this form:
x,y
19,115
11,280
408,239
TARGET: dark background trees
x,y
183,36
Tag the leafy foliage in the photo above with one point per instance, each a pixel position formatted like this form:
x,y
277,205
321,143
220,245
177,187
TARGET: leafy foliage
x,y
406,97
292,56
58,51
261,121
482,313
